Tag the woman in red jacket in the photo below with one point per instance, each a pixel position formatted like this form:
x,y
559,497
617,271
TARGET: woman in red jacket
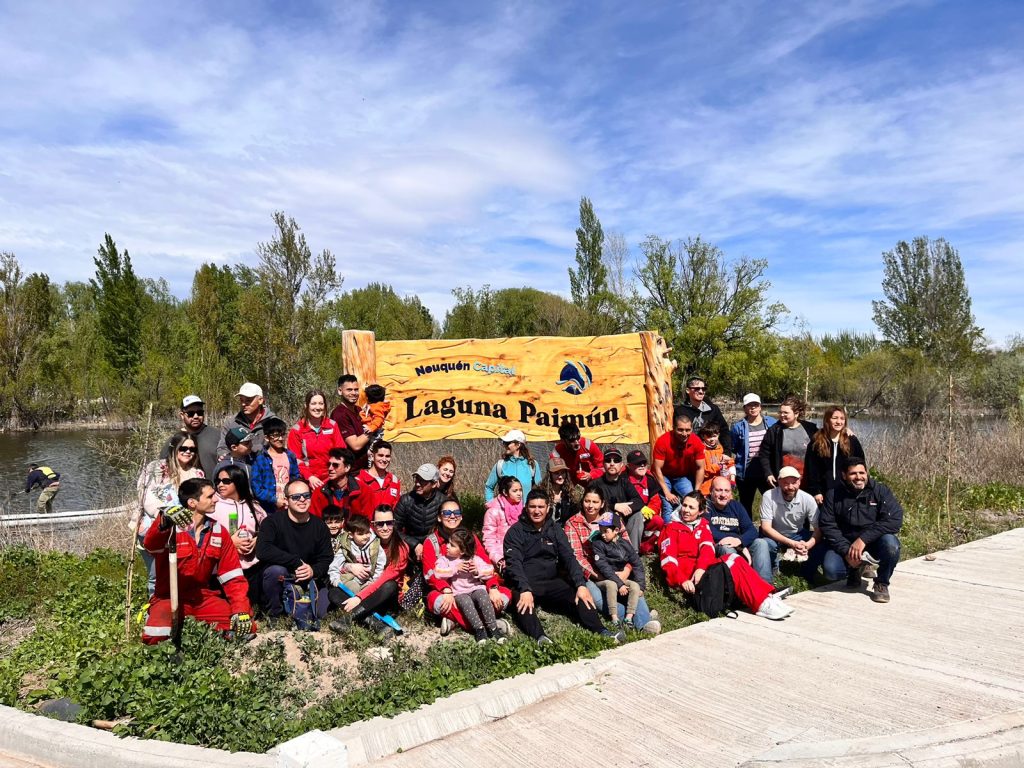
x,y
380,595
440,596
312,438
688,550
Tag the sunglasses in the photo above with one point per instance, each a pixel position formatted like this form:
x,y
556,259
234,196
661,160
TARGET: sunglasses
x,y
186,449
193,414
276,436
225,481
335,464
301,496
451,513
612,460
697,389
384,523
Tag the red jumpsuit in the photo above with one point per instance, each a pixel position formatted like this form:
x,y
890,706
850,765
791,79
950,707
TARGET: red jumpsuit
x,y
204,569
685,549
434,546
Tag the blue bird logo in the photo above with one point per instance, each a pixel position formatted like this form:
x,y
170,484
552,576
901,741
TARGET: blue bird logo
x,y
575,377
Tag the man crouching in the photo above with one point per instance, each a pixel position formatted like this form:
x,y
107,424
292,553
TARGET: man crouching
x,y
205,552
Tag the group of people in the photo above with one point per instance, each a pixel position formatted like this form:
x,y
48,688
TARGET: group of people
x,y
262,512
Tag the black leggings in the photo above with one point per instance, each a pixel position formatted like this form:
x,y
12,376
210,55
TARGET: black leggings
x,y
558,596
384,597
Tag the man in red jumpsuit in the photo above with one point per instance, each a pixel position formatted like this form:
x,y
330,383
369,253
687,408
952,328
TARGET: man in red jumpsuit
x,y
207,564
688,549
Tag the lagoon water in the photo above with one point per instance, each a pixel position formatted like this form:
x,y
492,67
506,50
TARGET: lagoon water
x,y
86,482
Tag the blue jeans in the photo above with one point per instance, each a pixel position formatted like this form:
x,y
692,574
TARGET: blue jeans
x,y
680,486
760,558
150,563
640,618
886,549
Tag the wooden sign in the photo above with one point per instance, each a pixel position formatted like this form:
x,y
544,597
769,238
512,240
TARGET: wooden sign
x,y
443,389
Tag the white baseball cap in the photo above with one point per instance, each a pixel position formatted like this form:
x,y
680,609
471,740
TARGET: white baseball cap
x,y
750,397
788,471
250,390
514,435
191,400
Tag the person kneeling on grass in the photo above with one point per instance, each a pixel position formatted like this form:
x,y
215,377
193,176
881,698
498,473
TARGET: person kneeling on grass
x,y
859,522
535,550
206,556
688,551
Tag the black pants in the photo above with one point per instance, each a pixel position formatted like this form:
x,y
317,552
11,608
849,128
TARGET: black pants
x,y
753,481
383,599
558,596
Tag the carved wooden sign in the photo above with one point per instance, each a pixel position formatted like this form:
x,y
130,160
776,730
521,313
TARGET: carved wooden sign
x,y
443,389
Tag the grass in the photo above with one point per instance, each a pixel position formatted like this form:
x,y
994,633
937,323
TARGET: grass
x,y
62,633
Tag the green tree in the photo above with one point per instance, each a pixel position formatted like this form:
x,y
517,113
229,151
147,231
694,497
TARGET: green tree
x,y
927,306
600,313
379,309
119,305
485,314
713,314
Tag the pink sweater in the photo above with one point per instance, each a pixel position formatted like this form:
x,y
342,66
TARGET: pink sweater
x,y
500,515
463,583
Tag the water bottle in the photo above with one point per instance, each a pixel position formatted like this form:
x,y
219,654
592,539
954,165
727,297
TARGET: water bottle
x,y
233,521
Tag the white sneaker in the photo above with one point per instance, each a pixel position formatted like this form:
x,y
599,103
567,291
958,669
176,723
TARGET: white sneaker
x,y
789,555
652,627
654,615
447,625
773,609
504,626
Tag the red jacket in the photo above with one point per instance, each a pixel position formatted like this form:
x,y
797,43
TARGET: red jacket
x,y
393,571
213,557
311,446
347,497
647,488
584,465
372,494
684,550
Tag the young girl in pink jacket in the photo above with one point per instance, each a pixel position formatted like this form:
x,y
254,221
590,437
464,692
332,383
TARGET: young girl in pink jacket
x,y
502,513
467,573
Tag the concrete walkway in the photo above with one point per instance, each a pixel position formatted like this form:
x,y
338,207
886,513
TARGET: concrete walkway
x,y
930,679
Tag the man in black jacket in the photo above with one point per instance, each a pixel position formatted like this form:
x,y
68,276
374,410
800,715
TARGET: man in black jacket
x,y
535,551
622,496
859,522
416,511
702,411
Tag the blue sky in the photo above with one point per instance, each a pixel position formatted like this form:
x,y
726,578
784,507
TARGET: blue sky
x,y
433,145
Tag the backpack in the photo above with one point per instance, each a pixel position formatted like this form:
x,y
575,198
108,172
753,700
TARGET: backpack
x,y
715,592
301,606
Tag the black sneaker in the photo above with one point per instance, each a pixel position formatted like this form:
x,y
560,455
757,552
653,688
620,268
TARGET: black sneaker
x,y
340,625
853,580
880,593
383,631
544,640
616,637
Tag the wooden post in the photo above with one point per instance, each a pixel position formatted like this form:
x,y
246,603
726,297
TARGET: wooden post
x,y
658,369
359,356
949,454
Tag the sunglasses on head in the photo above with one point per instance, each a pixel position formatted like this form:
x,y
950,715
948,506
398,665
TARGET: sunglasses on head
x,y
301,496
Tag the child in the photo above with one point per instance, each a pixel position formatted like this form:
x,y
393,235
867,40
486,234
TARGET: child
x,y
334,519
274,467
647,488
616,561
501,513
375,412
715,461
359,560
238,441
467,573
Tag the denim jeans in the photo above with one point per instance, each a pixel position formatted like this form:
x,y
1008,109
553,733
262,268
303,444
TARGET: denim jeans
x,y
150,563
640,618
886,550
680,486
760,557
